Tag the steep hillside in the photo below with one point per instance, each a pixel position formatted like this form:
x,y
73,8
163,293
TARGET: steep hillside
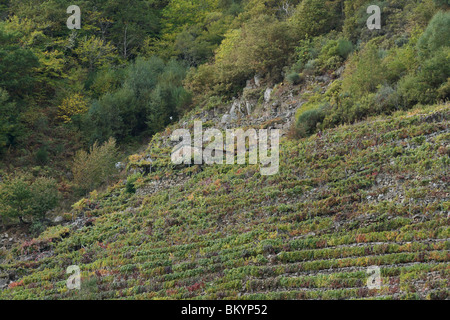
x,y
374,193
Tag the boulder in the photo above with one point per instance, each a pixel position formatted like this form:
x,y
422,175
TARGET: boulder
x,y
267,94
257,80
226,118
58,219
248,106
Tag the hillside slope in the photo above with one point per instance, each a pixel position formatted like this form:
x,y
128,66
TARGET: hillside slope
x,y
374,193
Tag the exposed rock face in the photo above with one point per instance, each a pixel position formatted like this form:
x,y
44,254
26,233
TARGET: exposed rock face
x,y
226,118
267,95
58,219
270,107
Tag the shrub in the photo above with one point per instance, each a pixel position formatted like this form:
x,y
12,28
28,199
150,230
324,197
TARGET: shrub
x,y
444,90
442,2
15,196
130,185
436,35
11,129
37,227
21,197
336,48
202,79
71,106
344,48
294,78
92,169
311,67
41,155
262,45
308,121
385,100
45,196
400,61
423,86
107,80
365,72
315,17
307,50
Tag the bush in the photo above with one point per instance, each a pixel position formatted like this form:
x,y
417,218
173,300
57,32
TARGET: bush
x,y
436,35
90,170
365,72
41,156
22,197
423,86
37,227
294,78
311,67
11,128
309,120
444,90
263,45
442,2
130,185
15,196
315,17
45,196
385,100
307,50
73,105
336,48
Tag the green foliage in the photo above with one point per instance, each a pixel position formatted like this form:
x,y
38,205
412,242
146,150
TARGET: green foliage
x,y
15,196
263,45
10,126
196,44
294,235
309,120
150,94
386,100
16,65
315,17
334,52
126,75
365,72
94,52
37,227
22,196
91,170
42,156
294,78
45,196
422,86
436,35
130,185
442,2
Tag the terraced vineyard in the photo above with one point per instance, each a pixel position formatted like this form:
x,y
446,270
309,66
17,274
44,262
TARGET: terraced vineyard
x,y
370,194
